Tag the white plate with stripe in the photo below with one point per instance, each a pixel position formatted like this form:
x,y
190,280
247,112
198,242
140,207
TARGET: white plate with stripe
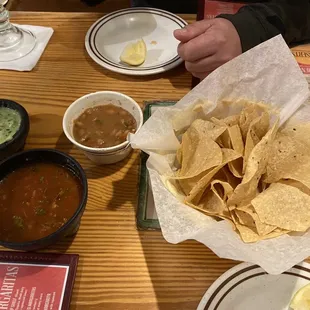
x,y
249,287
107,37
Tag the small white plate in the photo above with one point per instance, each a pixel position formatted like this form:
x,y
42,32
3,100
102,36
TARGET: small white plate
x,y
107,37
249,287
4,2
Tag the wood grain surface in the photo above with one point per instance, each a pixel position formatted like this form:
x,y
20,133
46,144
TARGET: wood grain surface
x,y
120,267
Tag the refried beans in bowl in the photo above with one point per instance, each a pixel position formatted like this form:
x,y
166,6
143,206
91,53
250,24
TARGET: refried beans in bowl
x,y
103,126
99,124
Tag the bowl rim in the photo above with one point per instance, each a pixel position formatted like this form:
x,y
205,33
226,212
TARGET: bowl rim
x,y
105,150
79,209
24,123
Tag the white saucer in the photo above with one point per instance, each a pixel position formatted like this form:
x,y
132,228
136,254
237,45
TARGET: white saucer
x,y
107,37
4,2
249,287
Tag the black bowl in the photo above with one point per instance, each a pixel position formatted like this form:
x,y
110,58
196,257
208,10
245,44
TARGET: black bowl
x,y
52,156
17,143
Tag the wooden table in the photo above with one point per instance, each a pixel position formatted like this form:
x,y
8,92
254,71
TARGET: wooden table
x,y
120,267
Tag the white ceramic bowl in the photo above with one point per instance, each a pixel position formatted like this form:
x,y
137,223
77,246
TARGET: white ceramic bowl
x,y
108,155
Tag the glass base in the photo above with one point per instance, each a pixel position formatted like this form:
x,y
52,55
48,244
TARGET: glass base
x,y
23,48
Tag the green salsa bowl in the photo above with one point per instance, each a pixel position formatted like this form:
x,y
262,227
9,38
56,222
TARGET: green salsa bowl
x,y
14,128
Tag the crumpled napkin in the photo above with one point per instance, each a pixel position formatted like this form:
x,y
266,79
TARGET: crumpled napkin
x,y
27,63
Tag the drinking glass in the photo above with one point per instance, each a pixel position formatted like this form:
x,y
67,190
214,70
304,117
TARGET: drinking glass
x,y
15,42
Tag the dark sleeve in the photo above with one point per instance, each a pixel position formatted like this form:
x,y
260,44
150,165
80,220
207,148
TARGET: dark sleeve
x,y
257,23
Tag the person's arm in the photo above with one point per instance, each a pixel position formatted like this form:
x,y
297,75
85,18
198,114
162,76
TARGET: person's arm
x,y
257,23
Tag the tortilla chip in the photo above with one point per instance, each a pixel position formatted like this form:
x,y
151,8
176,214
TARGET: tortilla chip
x,y
223,189
231,120
199,153
236,139
249,146
226,167
228,107
187,184
289,159
299,132
200,187
231,179
246,227
262,186
248,114
228,121
296,184
276,233
212,201
224,139
301,173
248,234
182,119
261,228
212,204
256,166
231,138
257,130
179,156
208,128
174,187
260,127
245,218
283,206
236,167
236,143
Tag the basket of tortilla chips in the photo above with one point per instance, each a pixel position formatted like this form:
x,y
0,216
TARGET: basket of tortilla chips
x,y
230,163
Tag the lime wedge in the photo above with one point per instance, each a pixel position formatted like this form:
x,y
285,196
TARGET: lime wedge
x,y
301,299
134,54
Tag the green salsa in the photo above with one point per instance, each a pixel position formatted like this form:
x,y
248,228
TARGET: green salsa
x,y
9,124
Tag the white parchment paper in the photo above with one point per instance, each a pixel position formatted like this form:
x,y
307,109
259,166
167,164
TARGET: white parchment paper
x,y
266,73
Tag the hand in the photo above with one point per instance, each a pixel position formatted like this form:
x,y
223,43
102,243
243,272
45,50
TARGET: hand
x,y
207,44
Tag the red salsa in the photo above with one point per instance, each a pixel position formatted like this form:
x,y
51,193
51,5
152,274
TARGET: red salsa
x,y
103,126
36,200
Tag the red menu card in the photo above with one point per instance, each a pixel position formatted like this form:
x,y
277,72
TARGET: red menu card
x,y
32,281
